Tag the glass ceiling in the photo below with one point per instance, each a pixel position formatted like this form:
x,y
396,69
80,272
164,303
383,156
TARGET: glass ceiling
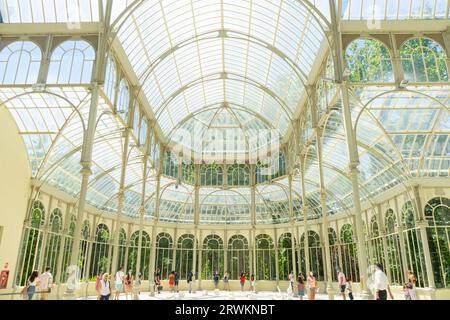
x,y
214,67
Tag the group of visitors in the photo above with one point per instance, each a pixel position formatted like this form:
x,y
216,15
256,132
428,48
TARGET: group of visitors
x,y
124,283
44,282
310,283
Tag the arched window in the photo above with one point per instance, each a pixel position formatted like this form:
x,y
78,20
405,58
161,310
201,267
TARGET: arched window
x,y
349,253
211,175
143,132
423,60
68,247
369,61
334,251
110,80
71,62
315,253
136,120
122,247
326,89
376,241
408,220
265,258
437,212
133,253
53,241
164,245
123,100
20,62
238,175
170,165
238,256
285,258
213,257
31,247
185,255
393,247
100,260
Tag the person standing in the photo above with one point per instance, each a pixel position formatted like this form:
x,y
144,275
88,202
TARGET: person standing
x,y
158,280
4,276
128,285
252,282
172,281
31,284
226,281
412,280
381,283
342,283
216,280
291,280
98,286
242,281
45,283
137,286
349,289
105,288
190,275
312,285
120,275
177,282
301,286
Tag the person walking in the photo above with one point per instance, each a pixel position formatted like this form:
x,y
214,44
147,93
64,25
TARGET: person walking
x,y
342,283
189,277
226,281
349,289
45,283
128,281
301,286
216,279
381,283
242,281
105,287
120,275
312,286
30,288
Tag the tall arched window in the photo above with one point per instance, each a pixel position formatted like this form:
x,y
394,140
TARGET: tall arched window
x,y
437,212
31,247
71,62
170,165
68,241
53,241
376,241
349,253
110,80
133,252
334,251
123,100
393,247
84,244
20,62
285,263
212,257
100,260
238,256
164,252
122,248
265,258
423,60
185,255
369,61
315,253
143,132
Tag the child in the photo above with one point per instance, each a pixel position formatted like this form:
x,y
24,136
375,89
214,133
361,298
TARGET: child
x,y
406,290
349,289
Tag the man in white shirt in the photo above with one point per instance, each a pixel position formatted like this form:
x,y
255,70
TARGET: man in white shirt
x,y
119,283
46,281
381,284
342,283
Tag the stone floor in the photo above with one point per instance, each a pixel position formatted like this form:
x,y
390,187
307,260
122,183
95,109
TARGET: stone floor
x,y
219,295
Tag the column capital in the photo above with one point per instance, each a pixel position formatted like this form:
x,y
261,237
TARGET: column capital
x,y
86,170
422,224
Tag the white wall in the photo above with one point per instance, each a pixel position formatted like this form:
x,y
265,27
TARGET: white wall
x,y
15,176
